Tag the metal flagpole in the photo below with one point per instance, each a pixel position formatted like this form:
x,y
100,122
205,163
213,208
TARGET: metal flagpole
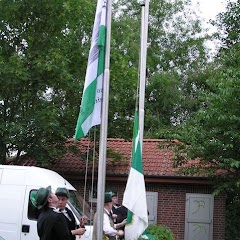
x,y
143,61
103,130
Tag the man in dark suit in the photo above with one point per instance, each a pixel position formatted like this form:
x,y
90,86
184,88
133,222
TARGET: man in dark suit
x,y
63,195
51,224
119,212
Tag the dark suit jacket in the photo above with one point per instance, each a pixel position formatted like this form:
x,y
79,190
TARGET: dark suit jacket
x,y
121,212
71,224
52,226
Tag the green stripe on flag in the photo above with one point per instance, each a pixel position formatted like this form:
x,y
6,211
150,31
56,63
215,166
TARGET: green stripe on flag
x,y
87,106
136,151
101,46
129,217
134,198
91,105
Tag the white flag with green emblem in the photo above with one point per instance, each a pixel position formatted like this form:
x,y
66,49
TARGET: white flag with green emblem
x,y
91,105
135,193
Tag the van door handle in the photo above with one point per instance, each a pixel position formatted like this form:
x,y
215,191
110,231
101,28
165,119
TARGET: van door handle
x,y
25,228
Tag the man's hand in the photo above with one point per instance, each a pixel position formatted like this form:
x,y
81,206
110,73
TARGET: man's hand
x,y
79,231
121,224
120,233
83,220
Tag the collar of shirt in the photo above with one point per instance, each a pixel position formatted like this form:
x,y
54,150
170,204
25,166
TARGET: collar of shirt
x,y
63,210
107,211
55,210
65,213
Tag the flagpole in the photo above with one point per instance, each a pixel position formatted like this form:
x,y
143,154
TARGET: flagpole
x,y
103,129
143,61
135,192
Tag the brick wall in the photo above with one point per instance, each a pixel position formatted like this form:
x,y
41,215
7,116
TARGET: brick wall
x,y
171,205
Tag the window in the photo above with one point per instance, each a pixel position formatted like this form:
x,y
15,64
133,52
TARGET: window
x,y
93,195
77,204
33,212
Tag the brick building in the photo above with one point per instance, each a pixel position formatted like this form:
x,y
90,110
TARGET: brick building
x,y
185,204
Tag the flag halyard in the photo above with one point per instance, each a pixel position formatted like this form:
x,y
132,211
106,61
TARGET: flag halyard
x,y
135,193
91,105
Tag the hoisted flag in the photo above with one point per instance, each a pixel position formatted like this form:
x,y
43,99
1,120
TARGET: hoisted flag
x,y
135,193
91,105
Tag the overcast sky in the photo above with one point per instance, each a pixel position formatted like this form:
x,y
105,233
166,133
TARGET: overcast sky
x,y
210,8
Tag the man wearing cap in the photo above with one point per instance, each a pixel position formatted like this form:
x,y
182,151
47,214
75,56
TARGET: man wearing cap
x,y
63,195
109,228
119,213
51,225
115,206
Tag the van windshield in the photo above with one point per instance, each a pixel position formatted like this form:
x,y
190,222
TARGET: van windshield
x,y
79,206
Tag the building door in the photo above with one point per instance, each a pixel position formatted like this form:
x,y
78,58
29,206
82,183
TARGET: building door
x,y
152,202
199,217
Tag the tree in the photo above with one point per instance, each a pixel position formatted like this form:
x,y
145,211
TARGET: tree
x,y
211,136
43,54
212,133
175,47
229,25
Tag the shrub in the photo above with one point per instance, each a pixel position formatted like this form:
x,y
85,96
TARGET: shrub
x,y
159,232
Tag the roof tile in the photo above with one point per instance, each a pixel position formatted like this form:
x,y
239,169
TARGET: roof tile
x,y
156,160
157,155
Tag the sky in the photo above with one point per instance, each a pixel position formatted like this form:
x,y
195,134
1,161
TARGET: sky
x,y
210,8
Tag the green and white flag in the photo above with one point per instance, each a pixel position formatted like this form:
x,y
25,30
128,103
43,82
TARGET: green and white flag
x,y
135,193
91,105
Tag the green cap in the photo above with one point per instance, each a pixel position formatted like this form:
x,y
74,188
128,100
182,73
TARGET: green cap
x,y
62,192
107,197
113,194
42,195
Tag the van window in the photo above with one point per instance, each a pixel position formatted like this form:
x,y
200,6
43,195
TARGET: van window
x,y
33,212
76,203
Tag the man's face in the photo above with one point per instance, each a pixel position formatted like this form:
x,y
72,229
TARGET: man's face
x,y
62,202
114,200
53,200
108,206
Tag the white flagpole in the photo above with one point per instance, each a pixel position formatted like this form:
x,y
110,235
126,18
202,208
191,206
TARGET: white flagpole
x,y
103,130
143,61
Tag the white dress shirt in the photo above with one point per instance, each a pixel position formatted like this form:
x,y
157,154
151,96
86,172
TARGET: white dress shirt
x,y
107,228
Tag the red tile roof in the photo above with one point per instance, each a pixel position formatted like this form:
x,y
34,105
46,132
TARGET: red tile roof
x,y
157,158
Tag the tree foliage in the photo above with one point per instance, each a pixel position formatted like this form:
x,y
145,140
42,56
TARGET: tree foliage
x,y
212,133
43,56
232,215
42,63
175,46
229,25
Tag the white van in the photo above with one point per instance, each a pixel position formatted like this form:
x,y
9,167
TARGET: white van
x,y
17,214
